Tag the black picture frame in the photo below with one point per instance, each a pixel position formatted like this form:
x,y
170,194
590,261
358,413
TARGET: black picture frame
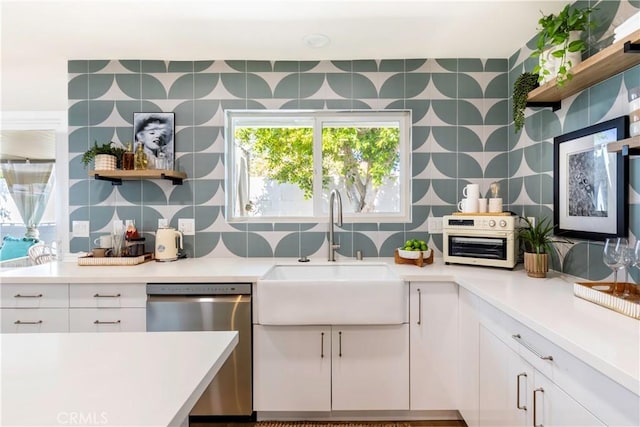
x,y
590,184
156,132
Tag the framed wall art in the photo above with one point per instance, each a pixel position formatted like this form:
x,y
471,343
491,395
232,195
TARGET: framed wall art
x,y
590,191
155,132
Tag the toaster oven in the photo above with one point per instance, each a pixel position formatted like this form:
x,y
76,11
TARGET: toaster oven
x,y
487,240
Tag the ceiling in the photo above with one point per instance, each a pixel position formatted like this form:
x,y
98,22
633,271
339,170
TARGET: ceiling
x,y
48,30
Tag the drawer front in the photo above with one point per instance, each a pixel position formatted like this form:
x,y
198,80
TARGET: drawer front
x,y
55,295
107,295
32,320
107,320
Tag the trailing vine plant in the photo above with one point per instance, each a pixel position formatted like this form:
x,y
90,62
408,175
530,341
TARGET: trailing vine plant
x,y
521,88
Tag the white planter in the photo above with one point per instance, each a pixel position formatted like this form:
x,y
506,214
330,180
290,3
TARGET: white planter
x,y
105,162
552,63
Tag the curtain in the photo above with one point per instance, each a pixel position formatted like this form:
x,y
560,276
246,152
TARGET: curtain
x,y
30,186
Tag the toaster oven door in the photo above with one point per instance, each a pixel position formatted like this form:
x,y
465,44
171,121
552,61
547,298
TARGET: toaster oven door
x,y
479,247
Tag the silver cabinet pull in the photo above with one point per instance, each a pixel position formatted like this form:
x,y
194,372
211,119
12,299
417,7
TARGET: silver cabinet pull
x,y
322,344
22,322
523,407
106,296
535,421
100,322
340,343
419,307
528,346
27,296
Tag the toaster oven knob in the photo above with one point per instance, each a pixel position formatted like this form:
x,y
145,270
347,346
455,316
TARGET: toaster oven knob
x,y
503,223
492,223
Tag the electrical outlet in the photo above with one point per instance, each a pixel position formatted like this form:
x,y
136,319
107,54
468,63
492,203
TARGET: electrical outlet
x,y
532,220
434,225
187,226
80,228
163,222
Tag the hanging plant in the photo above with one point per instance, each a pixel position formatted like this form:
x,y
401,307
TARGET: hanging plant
x,y
523,85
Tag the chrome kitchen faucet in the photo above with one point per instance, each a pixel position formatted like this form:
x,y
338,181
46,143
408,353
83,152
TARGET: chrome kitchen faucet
x,y
332,246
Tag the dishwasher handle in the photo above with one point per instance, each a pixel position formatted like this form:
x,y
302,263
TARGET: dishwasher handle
x,y
199,298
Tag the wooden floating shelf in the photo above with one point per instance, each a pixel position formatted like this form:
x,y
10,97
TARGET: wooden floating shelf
x,y
117,176
608,62
632,144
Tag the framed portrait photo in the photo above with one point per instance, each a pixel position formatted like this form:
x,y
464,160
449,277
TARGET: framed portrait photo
x,y
590,183
155,132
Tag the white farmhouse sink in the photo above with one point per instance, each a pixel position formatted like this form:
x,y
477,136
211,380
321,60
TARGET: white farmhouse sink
x,y
330,294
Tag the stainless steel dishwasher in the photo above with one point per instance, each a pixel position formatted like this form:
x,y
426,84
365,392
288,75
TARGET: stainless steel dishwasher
x,y
210,307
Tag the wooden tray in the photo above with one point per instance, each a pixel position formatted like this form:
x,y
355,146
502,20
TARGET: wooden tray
x,y
419,262
601,293
133,260
481,213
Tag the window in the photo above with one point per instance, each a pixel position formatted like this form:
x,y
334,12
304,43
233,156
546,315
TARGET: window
x,y
282,165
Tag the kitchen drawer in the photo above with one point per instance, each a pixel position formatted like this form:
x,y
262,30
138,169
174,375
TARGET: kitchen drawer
x,y
107,320
26,320
107,295
55,295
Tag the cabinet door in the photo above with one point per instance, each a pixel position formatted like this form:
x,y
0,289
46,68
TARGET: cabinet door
x,y
27,320
433,330
107,295
504,380
554,407
468,351
291,368
370,367
107,320
52,295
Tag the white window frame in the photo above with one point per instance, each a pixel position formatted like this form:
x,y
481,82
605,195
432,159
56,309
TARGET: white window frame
x,y
319,117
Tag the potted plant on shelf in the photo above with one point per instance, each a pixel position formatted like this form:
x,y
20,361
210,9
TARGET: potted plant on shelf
x,y
524,84
106,156
538,241
559,47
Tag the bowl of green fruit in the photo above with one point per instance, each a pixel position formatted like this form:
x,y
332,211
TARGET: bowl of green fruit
x,y
413,249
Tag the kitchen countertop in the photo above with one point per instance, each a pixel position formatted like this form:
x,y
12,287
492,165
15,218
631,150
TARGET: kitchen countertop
x,y
118,379
602,338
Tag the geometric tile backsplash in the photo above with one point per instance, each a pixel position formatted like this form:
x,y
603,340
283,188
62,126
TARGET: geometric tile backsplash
x,y
462,132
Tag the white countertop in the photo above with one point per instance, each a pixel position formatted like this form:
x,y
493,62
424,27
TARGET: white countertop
x,y
110,379
602,338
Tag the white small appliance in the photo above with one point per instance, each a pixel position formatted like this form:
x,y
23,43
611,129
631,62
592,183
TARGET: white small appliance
x,y
168,243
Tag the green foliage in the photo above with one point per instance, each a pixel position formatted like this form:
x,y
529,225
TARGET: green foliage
x,y
539,238
555,32
521,88
362,156
107,148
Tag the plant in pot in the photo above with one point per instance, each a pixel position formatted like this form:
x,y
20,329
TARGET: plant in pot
x,y
106,156
559,47
524,84
538,240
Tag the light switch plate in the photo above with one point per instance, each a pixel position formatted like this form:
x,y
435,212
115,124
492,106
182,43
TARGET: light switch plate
x,y
187,226
80,228
434,225
163,222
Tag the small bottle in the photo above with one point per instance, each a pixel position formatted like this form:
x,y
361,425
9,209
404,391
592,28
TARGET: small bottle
x,y
161,161
128,158
131,232
140,158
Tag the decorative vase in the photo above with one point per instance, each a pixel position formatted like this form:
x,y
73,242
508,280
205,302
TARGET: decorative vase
x,y
105,162
536,265
549,62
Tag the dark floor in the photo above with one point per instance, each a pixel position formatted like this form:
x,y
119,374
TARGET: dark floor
x,y
373,424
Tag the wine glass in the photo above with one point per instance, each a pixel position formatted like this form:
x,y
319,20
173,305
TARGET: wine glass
x,y
612,257
627,259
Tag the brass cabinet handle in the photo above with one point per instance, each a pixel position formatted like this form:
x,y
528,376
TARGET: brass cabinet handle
x,y
27,296
100,322
107,296
529,347
322,344
22,322
419,307
535,422
523,407
340,343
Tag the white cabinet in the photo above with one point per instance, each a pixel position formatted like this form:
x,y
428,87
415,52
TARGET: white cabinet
x,y
27,308
323,368
291,368
107,307
433,345
468,358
